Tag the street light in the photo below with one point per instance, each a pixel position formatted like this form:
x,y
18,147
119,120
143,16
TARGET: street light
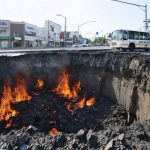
x,y
65,28
83,24
145,6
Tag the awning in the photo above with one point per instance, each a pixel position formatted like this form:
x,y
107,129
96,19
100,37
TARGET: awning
x,y
18,38
4,38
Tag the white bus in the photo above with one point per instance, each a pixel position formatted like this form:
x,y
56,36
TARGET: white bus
x,y
129,39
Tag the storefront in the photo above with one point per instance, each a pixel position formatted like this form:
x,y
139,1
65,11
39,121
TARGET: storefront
x,y
30,35
4,34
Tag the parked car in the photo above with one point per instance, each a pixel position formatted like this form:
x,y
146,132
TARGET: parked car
x,y
82,45
75,45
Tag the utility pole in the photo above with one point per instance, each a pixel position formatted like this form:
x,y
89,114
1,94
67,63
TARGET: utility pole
x,y
65,32
145,10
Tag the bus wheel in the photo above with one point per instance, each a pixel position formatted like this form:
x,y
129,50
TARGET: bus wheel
x,y
132,47
146,49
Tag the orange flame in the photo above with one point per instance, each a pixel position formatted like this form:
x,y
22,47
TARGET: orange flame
x,y
69,107
39,84
5,108
81,103
90,102
64,89
10,97
20,92
53,132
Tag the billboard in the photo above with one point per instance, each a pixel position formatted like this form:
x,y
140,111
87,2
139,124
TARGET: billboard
x,y
30,30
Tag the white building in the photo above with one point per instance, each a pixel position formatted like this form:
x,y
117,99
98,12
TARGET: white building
x,y
53,31
41,37
4,33
34,36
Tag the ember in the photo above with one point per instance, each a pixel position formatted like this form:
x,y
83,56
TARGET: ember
x,y
39,84
90,102
53,132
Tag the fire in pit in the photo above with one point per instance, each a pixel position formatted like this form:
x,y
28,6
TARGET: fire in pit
x,y
12,96
16,102
72,94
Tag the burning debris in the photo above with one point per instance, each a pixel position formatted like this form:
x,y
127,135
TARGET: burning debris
x,y
18,94
63,117
39,84
72,94
12,96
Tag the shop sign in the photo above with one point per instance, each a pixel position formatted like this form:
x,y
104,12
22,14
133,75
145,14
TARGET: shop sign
x,y
4,24
30,30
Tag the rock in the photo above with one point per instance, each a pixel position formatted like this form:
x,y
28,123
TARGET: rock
x,y
80,132
23,147
90,132
22,138
93,142
81,136
60,140
6,146
121,137
32,130
110,145
36,147
141,135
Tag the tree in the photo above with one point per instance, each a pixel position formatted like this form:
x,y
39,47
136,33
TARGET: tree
x,y
88,41
100,40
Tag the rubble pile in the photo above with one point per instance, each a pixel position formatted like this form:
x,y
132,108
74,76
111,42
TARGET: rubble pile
x,y
102,126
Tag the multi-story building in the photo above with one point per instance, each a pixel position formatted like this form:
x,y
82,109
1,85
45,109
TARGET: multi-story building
x,y
53,31
26,35
17,34
4,33
22,34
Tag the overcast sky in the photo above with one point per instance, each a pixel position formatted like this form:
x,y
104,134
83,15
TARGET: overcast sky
x,y
109,15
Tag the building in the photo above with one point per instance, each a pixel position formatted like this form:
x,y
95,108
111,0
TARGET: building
x,y
40,37
22,34
4,33
26,35
17,34
53,31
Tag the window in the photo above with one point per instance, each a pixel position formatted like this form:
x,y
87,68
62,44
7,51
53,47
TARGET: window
x,y
51,28
134,35
119,35
144,36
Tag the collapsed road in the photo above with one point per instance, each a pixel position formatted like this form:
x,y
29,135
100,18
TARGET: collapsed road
x,y
75,100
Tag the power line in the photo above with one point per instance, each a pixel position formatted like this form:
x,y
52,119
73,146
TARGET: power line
x,y
134,4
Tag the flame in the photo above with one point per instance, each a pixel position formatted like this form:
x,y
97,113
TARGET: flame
x,y
53,132
69,107
20,92
5,108
90,102
8,124
81,103
39,84
10,97
64,89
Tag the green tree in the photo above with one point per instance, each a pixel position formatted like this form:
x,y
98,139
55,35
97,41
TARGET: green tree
x,y
100,40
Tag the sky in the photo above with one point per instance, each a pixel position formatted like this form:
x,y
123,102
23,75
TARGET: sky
x,y
109,15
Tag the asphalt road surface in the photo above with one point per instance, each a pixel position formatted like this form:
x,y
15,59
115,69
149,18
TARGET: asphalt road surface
x,y
17,52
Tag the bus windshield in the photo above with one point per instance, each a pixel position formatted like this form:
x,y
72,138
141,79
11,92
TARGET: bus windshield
x,y
119,35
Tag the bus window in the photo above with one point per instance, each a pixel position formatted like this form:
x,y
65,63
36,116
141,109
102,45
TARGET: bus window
x,y
133,35
144,36
119,35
